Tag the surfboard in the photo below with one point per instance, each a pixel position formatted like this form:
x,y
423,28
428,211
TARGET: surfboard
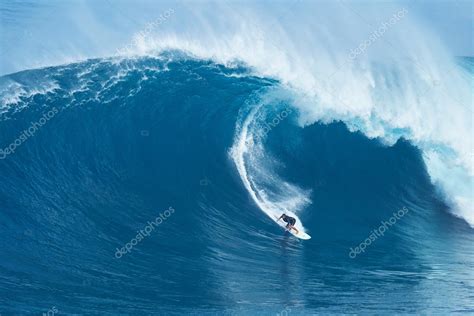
x,y
301,234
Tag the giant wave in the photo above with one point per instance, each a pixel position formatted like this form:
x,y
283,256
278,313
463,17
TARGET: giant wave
x,y
223,147
231,122
399,92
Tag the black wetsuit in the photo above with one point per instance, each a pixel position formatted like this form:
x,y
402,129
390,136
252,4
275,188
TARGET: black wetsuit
x,y
290,220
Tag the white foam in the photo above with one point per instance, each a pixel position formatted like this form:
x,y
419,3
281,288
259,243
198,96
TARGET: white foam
x,y
272,194
12,93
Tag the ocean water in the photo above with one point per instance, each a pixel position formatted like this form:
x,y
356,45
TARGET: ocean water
x,y
188,159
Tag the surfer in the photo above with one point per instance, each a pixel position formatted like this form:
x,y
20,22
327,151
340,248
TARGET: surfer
x,y
290,222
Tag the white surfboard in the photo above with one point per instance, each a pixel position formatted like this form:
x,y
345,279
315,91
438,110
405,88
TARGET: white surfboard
x,y
301,234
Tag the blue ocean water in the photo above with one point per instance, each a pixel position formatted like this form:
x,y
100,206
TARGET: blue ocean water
x,y
126,139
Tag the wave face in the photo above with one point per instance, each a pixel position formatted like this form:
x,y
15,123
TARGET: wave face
x,y
117,142
383,70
